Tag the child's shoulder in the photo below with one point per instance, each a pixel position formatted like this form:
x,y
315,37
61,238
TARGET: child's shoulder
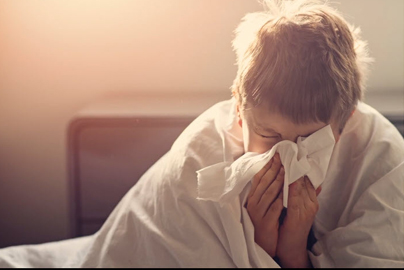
x,y
377,125
371,138
202,140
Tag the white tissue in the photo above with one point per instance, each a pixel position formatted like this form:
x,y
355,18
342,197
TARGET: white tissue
x,y
309,156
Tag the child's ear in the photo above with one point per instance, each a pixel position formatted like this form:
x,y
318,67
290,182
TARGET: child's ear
x,y
352,112
239,120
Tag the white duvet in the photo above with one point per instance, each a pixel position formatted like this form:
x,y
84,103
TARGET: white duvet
x,y
161,223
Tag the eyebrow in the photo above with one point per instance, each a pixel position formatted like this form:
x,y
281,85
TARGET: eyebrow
x,y
267,129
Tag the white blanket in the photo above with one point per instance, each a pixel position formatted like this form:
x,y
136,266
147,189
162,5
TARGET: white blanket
x,y
161,223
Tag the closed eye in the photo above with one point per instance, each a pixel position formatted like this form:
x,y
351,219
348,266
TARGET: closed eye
x,y
270,137
277,136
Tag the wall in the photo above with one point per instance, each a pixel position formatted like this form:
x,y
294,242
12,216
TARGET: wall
x,y
58,56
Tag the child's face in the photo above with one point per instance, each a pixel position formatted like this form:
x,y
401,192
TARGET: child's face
x,y
263,129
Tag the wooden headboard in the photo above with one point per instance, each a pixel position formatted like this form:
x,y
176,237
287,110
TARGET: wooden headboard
x,y
112,142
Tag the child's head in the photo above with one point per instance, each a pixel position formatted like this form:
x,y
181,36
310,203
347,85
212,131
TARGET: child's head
x,y
301,61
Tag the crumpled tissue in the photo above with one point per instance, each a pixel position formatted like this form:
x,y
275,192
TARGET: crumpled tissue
x,y
308,156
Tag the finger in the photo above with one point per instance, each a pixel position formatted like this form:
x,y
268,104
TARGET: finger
x,y
258,177
267,178
256,180
310,199
273,190
271,193
274,212
295,200
295,189
311,192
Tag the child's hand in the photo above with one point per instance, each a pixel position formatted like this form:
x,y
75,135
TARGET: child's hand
x,y
294,231
264,204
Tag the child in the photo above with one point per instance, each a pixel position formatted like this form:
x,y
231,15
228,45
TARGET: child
x,y
302,67
301,71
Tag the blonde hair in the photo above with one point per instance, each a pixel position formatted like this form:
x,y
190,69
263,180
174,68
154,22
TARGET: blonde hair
x,y
302,59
